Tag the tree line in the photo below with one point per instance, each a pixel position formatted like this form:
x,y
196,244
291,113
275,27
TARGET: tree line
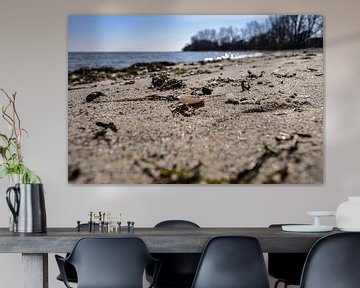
x,y
277,32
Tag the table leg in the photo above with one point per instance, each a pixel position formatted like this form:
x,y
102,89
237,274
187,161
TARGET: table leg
x,y
35,270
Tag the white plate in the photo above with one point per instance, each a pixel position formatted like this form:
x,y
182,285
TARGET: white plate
x,y
321,213
350,229
306,228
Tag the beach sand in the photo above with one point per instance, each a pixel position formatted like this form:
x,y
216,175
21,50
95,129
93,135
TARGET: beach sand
x,y
260,120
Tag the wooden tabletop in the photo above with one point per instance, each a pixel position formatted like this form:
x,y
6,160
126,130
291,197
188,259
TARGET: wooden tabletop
x,y
158,240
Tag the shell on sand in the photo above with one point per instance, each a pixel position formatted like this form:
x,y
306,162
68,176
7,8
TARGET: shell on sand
x,y
190,100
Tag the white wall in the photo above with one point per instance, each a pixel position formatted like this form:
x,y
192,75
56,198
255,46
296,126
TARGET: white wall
x,y
33,62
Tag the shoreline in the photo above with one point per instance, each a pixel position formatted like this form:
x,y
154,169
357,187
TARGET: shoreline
x,y
122,67
257,120
218,55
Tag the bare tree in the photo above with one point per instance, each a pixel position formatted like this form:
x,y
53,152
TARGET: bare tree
x,y
277,32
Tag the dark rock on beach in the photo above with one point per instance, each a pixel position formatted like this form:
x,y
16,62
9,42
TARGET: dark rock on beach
x,y
110,125
206,90
73,173
94,95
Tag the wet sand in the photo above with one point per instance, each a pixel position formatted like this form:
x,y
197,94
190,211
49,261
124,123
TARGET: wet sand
x,y
258,120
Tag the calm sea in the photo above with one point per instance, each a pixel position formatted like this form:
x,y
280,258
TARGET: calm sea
x,y
118,60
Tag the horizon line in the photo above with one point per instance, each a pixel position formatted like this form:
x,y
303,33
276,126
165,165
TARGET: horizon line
x,y
148,51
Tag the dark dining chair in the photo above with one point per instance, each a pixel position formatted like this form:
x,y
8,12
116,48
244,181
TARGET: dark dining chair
x,y
70,271
333,262
232,262
178,269
108,263
286,267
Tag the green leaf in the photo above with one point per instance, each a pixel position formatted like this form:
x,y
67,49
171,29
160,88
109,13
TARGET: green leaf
x,y
4,173
15,169
26,132
33,178
3,151
4,137
28,176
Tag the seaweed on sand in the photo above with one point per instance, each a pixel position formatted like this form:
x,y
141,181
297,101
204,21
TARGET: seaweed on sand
x,y
174,175
163,82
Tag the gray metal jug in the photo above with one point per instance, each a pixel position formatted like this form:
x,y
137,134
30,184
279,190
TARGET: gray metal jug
x,y
28,208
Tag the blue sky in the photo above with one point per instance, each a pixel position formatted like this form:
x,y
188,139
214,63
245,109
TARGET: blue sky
x,y
144,32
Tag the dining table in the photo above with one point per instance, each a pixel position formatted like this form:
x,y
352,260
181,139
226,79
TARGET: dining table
x,y
35,247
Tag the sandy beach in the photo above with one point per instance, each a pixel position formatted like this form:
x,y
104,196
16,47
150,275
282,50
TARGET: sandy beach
x,y
256,120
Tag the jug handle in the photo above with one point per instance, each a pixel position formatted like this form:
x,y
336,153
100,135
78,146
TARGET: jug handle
x,y
13,208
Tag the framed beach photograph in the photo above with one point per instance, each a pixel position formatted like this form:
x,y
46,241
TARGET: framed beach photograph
x,y
195,99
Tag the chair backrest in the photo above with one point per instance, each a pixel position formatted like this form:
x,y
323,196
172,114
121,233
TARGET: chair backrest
x,y
110,262
286,267
333,262
176,224
178,269
232,262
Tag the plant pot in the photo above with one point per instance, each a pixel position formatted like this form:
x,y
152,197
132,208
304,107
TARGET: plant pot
x,y
14,179
27,207
348,215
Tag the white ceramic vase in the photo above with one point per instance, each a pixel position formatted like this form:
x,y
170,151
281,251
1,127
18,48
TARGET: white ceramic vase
x,y
14,179
348,215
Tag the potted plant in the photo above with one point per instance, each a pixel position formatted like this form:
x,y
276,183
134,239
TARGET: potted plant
x,y
25,197
11,159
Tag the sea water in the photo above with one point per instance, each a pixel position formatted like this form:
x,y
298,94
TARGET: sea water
x,y
118,60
